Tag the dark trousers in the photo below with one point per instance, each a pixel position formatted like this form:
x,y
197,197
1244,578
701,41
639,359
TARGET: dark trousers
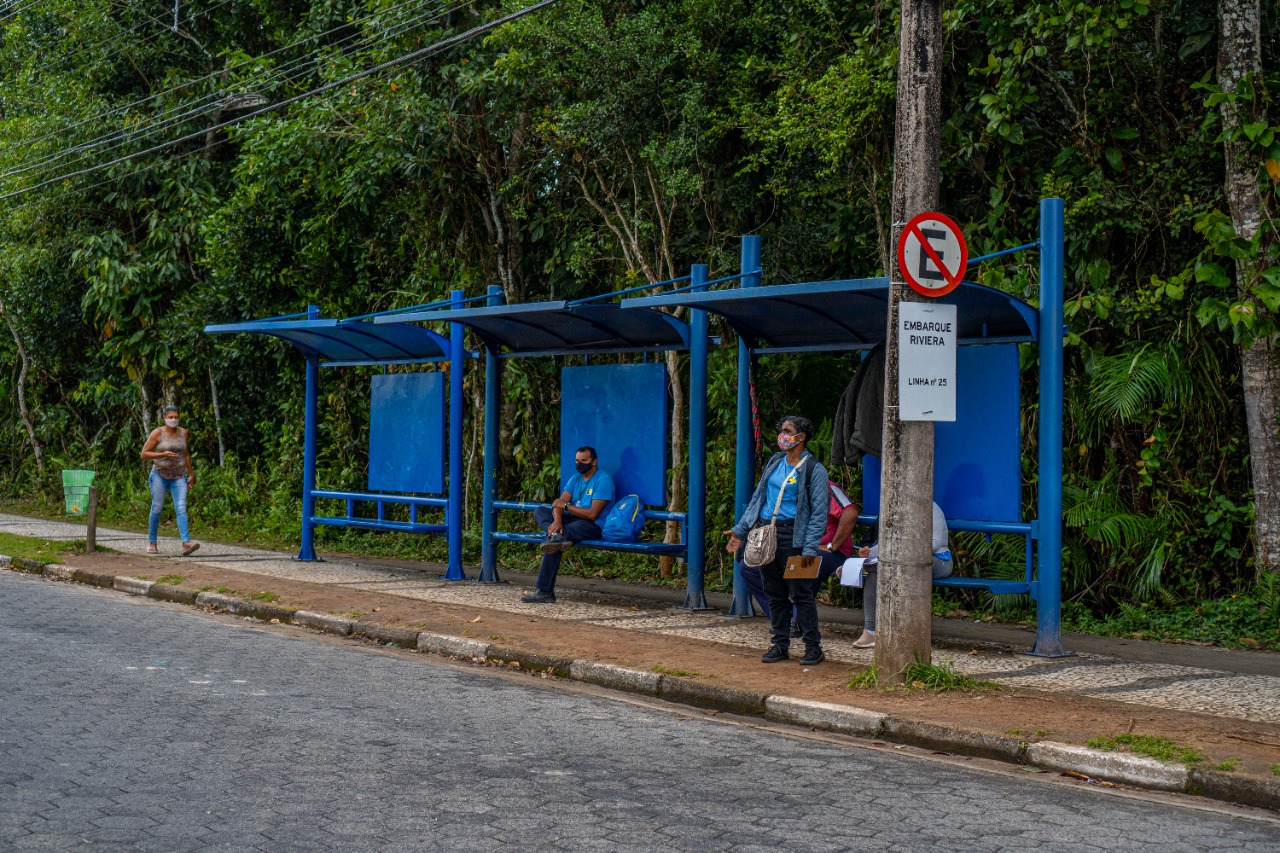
x,y
784,595
575,530
831,560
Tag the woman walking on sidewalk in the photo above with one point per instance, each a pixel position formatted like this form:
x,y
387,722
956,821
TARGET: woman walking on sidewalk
x,y
171,473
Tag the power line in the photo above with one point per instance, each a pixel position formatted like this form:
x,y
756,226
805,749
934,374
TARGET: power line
x,y
421,53
210,103
211,75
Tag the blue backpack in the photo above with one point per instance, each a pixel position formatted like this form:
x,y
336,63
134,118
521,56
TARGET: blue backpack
x,y
625,520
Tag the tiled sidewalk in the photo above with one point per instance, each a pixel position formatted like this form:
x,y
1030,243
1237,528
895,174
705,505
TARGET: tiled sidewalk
x,y
1226,694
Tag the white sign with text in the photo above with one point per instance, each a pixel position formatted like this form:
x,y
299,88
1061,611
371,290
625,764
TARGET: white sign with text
x,y
926,361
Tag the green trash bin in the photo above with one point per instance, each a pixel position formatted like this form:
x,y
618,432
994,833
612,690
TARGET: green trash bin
x,y
75,488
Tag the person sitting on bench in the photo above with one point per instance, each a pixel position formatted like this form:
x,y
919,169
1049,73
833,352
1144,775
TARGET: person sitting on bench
x,y
942,568
571,518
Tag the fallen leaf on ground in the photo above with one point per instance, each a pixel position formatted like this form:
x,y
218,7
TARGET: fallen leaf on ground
x,y
477,619
1074,775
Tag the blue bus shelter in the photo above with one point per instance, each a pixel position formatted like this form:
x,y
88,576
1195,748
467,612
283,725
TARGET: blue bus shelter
x,y
408,428
977,470
620,409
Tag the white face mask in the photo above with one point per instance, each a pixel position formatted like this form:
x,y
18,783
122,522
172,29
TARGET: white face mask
x,y
172,423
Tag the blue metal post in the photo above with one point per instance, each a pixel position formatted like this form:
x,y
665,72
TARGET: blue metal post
x,y
745,465
308,550
1049,508
696,526
492,422
454,510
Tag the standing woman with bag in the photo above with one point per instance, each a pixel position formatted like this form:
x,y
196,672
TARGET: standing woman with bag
x,y
786,517
171,473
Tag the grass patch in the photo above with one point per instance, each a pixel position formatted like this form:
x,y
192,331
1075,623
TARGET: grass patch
x,y
678,673
943,677
29,548
1043,732
1153,746
1275,769
868,679
1228,765
263,596
171,580
225,590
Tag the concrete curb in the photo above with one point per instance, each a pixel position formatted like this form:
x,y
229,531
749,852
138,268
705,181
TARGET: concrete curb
x,y
690,692
616,677
133,586
240,607
452,647
1118,767
1111,766
385,634
324,622
948,739
56,571
825,716
531,661
175,594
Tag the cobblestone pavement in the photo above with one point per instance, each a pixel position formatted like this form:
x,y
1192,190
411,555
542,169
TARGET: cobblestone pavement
x,y
136,726
1181,688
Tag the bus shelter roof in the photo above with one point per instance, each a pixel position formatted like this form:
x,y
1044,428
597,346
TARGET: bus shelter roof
x,y
845,315
339,343
560,328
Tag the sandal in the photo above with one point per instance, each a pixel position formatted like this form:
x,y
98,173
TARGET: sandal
x,y
189,548
152,549
866,641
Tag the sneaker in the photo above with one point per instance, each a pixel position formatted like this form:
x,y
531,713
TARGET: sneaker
x,y
796,633
775,654
553,543
539,597
866,641
812,655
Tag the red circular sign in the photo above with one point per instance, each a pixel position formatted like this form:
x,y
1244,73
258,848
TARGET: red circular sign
x,y
932,254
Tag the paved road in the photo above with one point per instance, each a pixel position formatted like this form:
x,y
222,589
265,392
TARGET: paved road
x,y
127,724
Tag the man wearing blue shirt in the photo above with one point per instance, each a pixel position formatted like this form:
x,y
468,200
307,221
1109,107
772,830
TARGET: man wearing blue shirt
x,y
572,517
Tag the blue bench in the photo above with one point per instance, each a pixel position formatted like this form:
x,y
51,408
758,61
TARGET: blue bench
x,y
995,586
380,521
663,549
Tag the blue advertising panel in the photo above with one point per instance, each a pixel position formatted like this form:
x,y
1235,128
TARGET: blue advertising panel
x,y
406,433
621,411
977,471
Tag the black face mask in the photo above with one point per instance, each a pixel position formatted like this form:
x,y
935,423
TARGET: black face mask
x,y
584,468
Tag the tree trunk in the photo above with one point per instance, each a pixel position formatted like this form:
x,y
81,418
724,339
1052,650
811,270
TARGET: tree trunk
x,y
680,474
1240,55
906,504
217,419
36,450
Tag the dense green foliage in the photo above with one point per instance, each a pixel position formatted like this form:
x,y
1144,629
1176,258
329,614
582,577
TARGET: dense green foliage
x,y
592,146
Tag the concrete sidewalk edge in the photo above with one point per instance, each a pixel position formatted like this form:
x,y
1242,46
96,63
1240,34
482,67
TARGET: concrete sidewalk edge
x,y
1115,767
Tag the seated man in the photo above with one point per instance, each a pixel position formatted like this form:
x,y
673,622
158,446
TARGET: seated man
x,y
837,544
572,517
942,568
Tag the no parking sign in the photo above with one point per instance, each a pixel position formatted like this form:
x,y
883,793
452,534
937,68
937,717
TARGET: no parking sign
x,y
932,254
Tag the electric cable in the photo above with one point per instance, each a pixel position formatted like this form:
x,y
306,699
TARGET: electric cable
x,y
412,56
211,75
210,103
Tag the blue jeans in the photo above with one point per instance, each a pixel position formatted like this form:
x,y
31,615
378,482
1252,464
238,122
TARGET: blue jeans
x,y
177,488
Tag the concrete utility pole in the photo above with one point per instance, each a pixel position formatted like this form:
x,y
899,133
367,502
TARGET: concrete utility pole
x,y
906,503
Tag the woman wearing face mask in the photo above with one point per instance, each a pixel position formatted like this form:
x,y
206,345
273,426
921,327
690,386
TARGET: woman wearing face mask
x,y
171,473
792,488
